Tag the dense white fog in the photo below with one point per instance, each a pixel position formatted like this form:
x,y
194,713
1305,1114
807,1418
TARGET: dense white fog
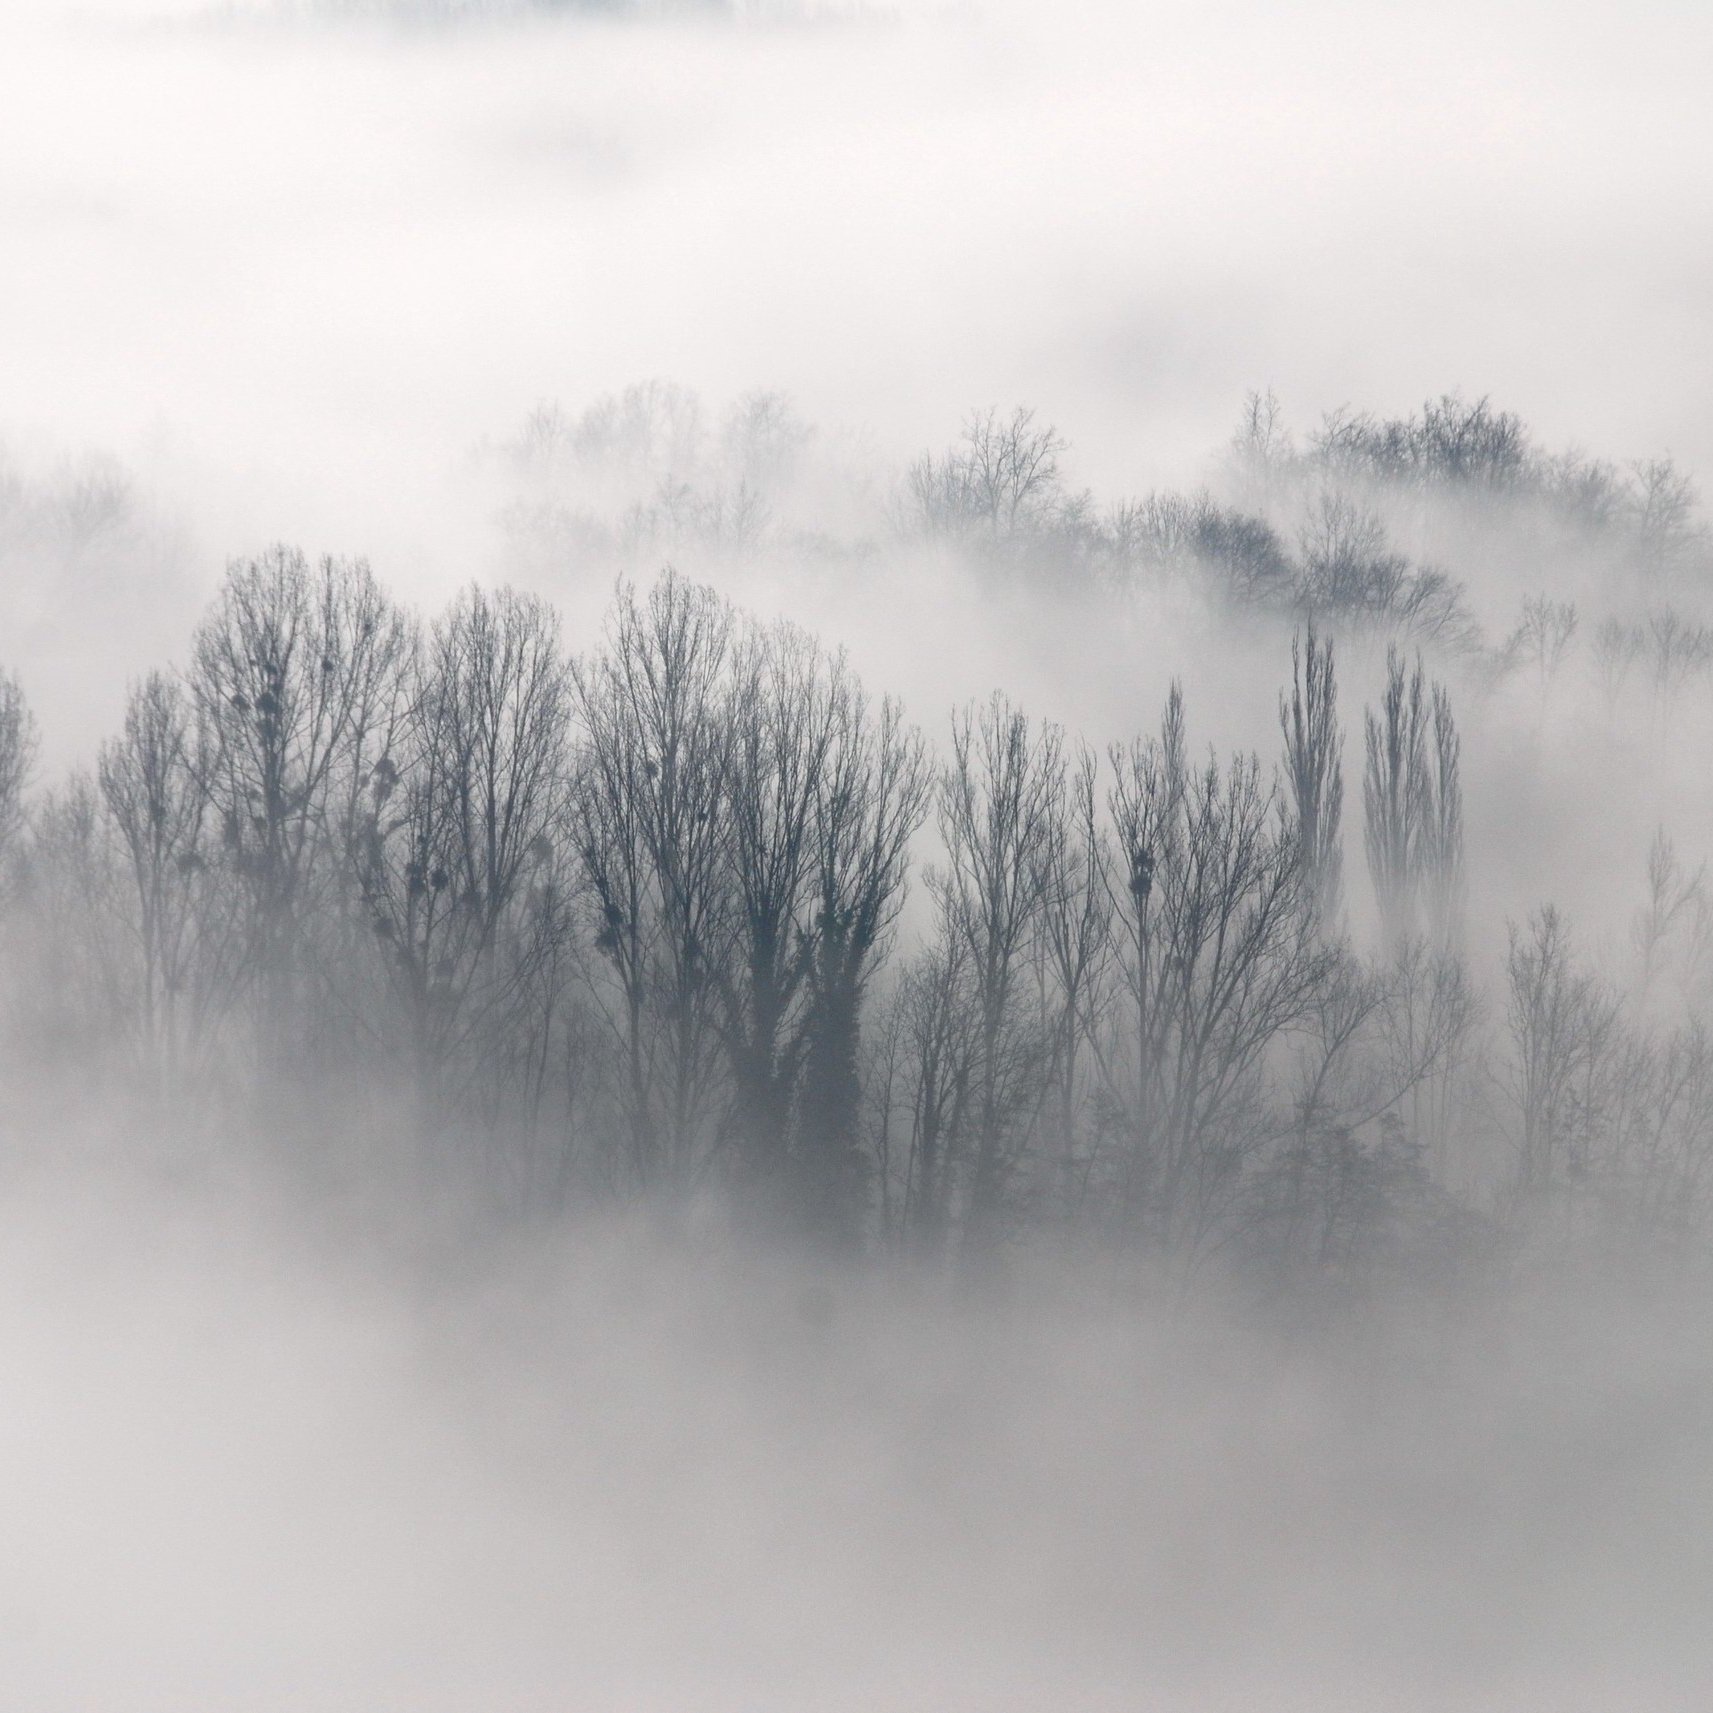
x,y
648,1474
576,1134
302,261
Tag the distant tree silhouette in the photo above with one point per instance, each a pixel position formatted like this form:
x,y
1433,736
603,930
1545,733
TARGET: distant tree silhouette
x,y
1412,797
1314,772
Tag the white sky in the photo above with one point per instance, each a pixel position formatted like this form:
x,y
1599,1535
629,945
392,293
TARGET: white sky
x,y
323,259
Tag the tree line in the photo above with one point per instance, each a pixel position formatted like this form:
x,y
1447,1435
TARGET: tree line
x,y
691,913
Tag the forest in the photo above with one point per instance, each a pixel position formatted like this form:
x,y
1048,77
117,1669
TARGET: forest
x,y
681,911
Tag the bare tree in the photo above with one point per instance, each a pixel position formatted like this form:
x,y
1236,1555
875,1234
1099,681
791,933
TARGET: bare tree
x,y
1610,1111
652,834
936,1004
1412,797
70,979
871,797
1314,773
1354,1167
1563,1027
1429,1009
1351,575
1542,638
1617,648
1673,649
1076,946
1236,556
1218,958
762,439
1001,481
17,757
1441,864
151,782
1657,1186
1449,444
1660,510
786,702
288,673
1261,454
1676,651
1675,922
997,800
1394,796
459,849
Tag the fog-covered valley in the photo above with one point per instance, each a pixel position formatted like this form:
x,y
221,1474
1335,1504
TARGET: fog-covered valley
x,y
854,857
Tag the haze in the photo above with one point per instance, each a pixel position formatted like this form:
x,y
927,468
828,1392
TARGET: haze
x,y
595,1110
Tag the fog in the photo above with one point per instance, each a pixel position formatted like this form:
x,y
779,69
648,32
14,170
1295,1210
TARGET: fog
x,y
585,1122
314,256
657,1475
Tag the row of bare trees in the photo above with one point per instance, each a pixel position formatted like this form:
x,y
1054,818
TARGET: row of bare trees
x,y
1137,1002
638,920
628,906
